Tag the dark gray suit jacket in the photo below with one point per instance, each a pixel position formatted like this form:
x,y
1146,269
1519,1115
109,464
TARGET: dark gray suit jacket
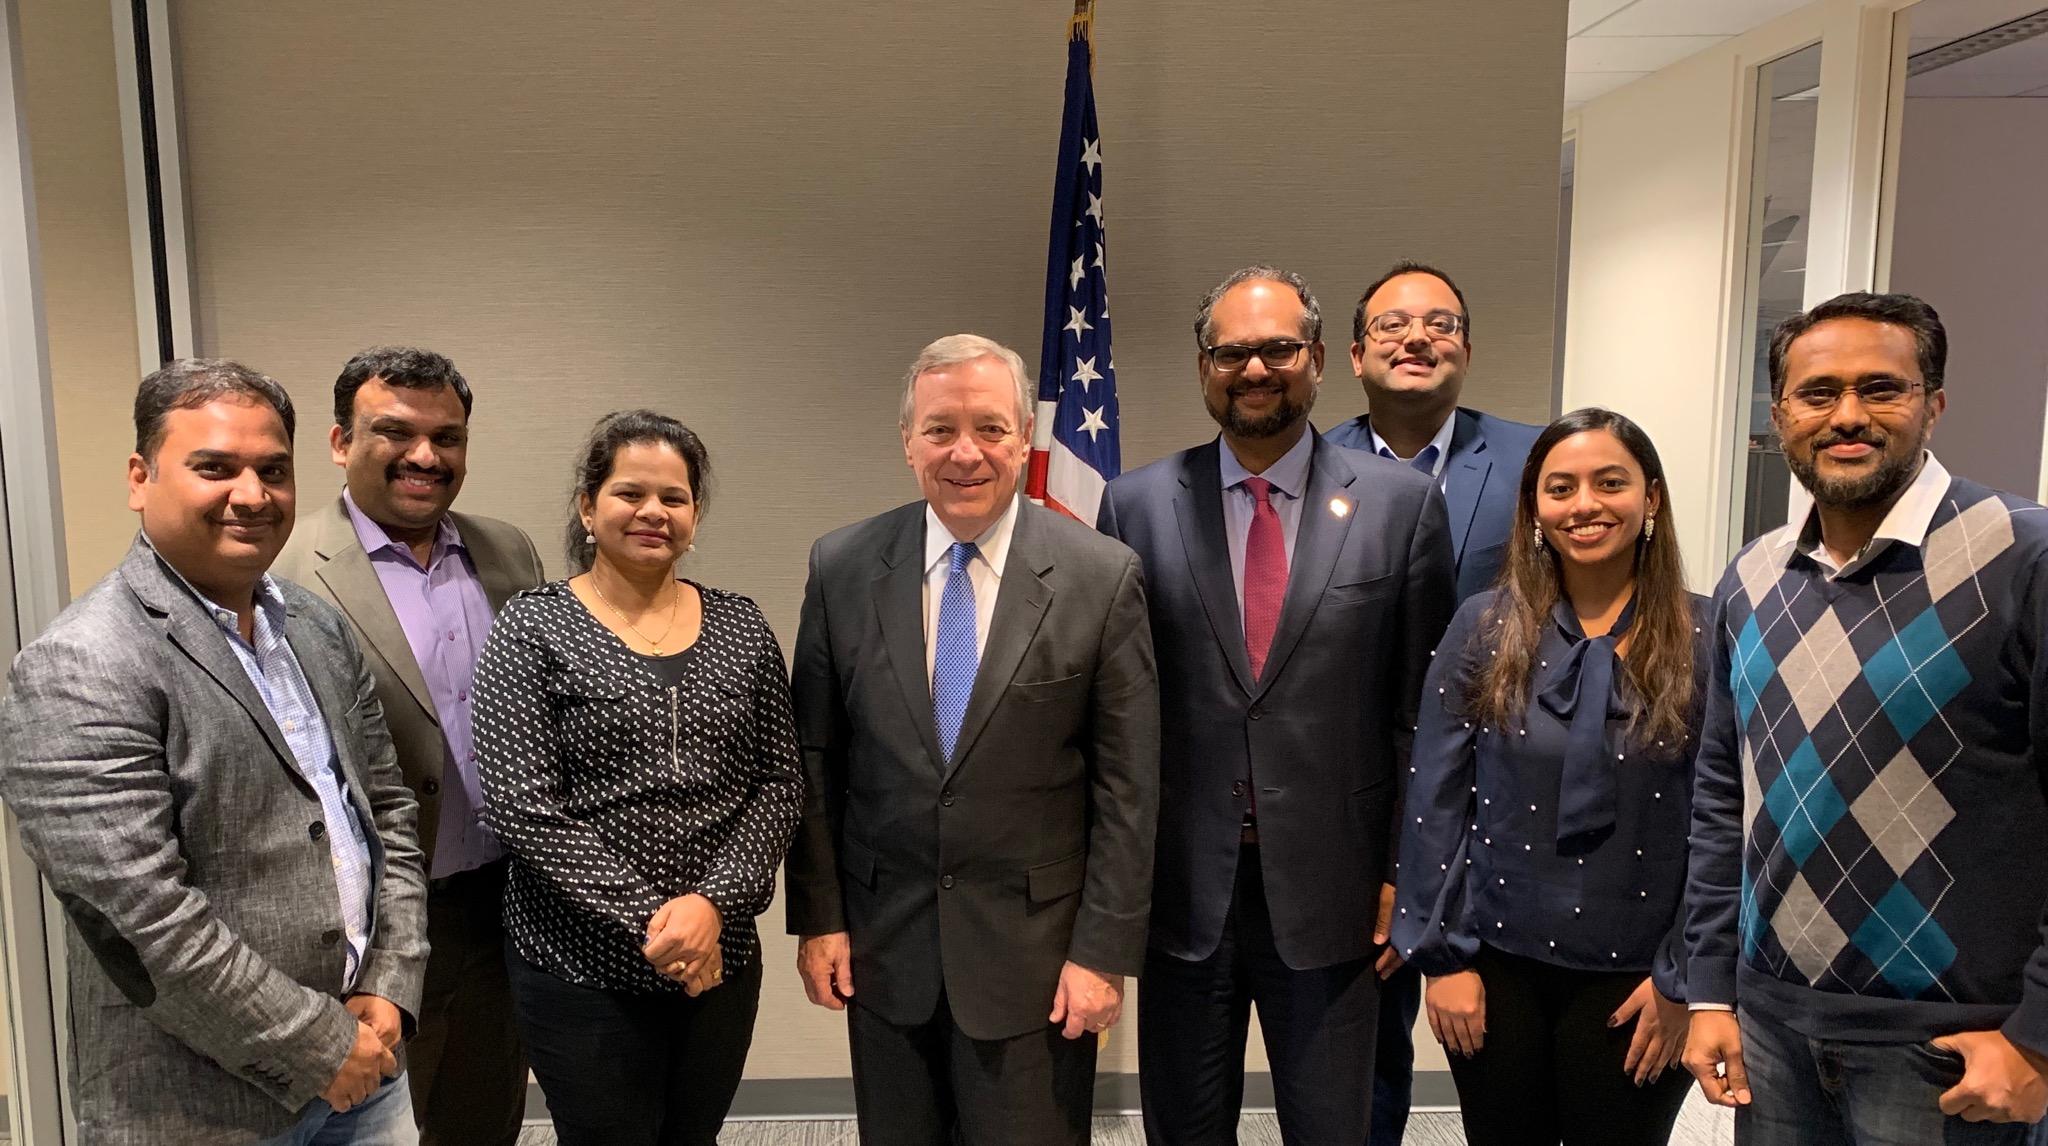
x,y
325,556
159,799
1035,846
1325,732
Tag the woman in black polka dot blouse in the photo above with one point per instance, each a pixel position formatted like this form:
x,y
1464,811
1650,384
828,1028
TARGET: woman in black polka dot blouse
x,y
638,759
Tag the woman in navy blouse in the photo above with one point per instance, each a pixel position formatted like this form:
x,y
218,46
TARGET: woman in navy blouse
x,y
1543,852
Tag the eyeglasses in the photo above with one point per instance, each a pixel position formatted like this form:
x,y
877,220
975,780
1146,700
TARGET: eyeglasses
x,y
1394,324
1878,395
1279,354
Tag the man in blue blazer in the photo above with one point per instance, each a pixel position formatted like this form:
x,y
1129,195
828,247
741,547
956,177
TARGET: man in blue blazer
x,y
1295,591
1411,342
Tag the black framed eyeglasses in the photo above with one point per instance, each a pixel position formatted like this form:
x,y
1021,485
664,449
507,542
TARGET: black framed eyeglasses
x,y
1878,395
1279,354
1394,325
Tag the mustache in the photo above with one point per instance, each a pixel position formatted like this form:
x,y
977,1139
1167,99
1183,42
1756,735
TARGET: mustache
x,y
396,470
1849,438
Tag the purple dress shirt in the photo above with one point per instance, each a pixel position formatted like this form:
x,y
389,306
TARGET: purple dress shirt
x,y
446,616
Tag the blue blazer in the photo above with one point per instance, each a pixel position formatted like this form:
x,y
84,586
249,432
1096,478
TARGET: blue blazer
x,y
1324,733
1485,465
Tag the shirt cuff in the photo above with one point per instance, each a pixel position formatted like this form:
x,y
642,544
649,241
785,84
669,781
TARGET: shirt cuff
x,y
1722,1007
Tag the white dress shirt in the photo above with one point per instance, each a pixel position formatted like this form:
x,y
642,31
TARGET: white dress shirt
x,y
1906,521
985,573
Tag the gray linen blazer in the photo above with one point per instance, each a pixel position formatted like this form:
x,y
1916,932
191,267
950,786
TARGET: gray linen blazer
x,y
158,798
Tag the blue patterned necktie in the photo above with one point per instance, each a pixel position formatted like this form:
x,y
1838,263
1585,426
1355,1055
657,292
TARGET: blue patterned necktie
x,y
954,658
1424,462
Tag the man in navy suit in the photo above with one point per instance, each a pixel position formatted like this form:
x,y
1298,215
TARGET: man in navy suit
x,y
1295,591
1411,342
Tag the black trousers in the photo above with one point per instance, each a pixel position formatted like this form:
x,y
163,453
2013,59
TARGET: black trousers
x,y
1393,1062
1320,1026
467,1072
1549,1068
621,1068
931,1085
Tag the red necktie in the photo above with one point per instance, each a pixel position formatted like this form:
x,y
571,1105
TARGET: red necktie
x,y
1265,575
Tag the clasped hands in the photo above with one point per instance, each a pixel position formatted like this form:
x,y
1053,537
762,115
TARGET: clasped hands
x,y
374,1056
1084,1002
682,943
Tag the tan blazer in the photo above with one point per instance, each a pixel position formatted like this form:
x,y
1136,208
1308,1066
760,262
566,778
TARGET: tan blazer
x,y
325,557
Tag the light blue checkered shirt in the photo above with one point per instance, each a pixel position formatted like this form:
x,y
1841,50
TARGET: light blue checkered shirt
x,y
282,683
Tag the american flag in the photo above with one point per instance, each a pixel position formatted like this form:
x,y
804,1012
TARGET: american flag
x,y
1074,450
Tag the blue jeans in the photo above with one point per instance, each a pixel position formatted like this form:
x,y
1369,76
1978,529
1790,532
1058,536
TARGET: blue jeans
x,y
383,1119
1818,1092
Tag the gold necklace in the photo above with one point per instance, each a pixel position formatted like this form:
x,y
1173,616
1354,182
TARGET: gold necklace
x,y
675,598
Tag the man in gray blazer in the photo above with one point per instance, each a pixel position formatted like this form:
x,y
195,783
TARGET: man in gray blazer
x,y
420,585
978,712
200,767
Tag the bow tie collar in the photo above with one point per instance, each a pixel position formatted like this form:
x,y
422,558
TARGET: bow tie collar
x,y
1579,689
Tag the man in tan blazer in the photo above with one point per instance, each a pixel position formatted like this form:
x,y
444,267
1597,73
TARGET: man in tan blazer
x,y
420,585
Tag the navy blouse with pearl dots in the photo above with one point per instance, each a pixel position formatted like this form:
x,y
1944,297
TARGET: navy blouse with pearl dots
x,y
1483,856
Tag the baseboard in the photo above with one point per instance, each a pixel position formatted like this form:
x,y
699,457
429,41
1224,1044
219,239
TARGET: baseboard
x,y
813,1099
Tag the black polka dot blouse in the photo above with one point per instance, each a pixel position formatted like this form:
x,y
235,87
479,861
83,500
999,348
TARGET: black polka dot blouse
x,y
615,792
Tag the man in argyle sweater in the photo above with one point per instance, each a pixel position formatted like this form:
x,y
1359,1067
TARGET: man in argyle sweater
x,y
1870,835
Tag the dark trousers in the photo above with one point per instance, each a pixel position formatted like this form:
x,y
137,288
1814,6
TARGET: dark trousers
x,y
1393,1063
468,1073
621,1068
931,1085
1193,1017
1820,1092
1549,1067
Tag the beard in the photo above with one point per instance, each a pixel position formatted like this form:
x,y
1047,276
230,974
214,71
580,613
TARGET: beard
x,y
1283,418
1894,471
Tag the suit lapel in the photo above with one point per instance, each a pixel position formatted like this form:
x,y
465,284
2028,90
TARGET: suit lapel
x,y
494,567
1465,473
352,581
195,635
1022,599
1318,539
899,611
1199,509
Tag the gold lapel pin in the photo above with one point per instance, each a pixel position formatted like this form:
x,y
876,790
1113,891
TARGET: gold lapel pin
x,y
1339,507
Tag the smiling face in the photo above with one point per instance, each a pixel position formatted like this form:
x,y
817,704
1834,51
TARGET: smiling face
x,y
405,456
1259,401
218,499
1592,499
966,443
645,514
1852,456
1413,363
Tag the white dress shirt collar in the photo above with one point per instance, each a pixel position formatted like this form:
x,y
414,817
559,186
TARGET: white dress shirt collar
x,y
1907,521
993,544
1442,442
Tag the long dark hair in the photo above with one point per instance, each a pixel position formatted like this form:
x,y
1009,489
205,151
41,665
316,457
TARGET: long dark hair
x,y
614,432
1659,665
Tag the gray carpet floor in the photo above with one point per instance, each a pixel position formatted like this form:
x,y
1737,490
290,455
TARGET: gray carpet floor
x,y
1698,1125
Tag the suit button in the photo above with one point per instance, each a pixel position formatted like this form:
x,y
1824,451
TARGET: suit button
x,y
316,829
946,881
431,787
330,937
1256,712
1237,788
946,799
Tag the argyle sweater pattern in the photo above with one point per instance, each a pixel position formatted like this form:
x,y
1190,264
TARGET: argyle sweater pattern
x,y
1870,833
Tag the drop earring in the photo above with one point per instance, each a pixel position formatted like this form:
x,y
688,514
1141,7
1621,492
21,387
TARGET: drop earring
x,y
1537,533
1649,529
589,538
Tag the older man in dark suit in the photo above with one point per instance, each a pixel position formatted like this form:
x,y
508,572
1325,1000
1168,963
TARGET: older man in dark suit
x,y
1296,591
977,706
200,766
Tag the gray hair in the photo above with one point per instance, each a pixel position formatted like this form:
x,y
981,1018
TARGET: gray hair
x,y
188,384
955,349
1311,319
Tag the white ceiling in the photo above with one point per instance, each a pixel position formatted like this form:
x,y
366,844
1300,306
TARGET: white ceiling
x,y
1614,42
2019,69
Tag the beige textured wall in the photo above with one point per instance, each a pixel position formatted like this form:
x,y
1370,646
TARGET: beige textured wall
x,y
752,215
74,131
